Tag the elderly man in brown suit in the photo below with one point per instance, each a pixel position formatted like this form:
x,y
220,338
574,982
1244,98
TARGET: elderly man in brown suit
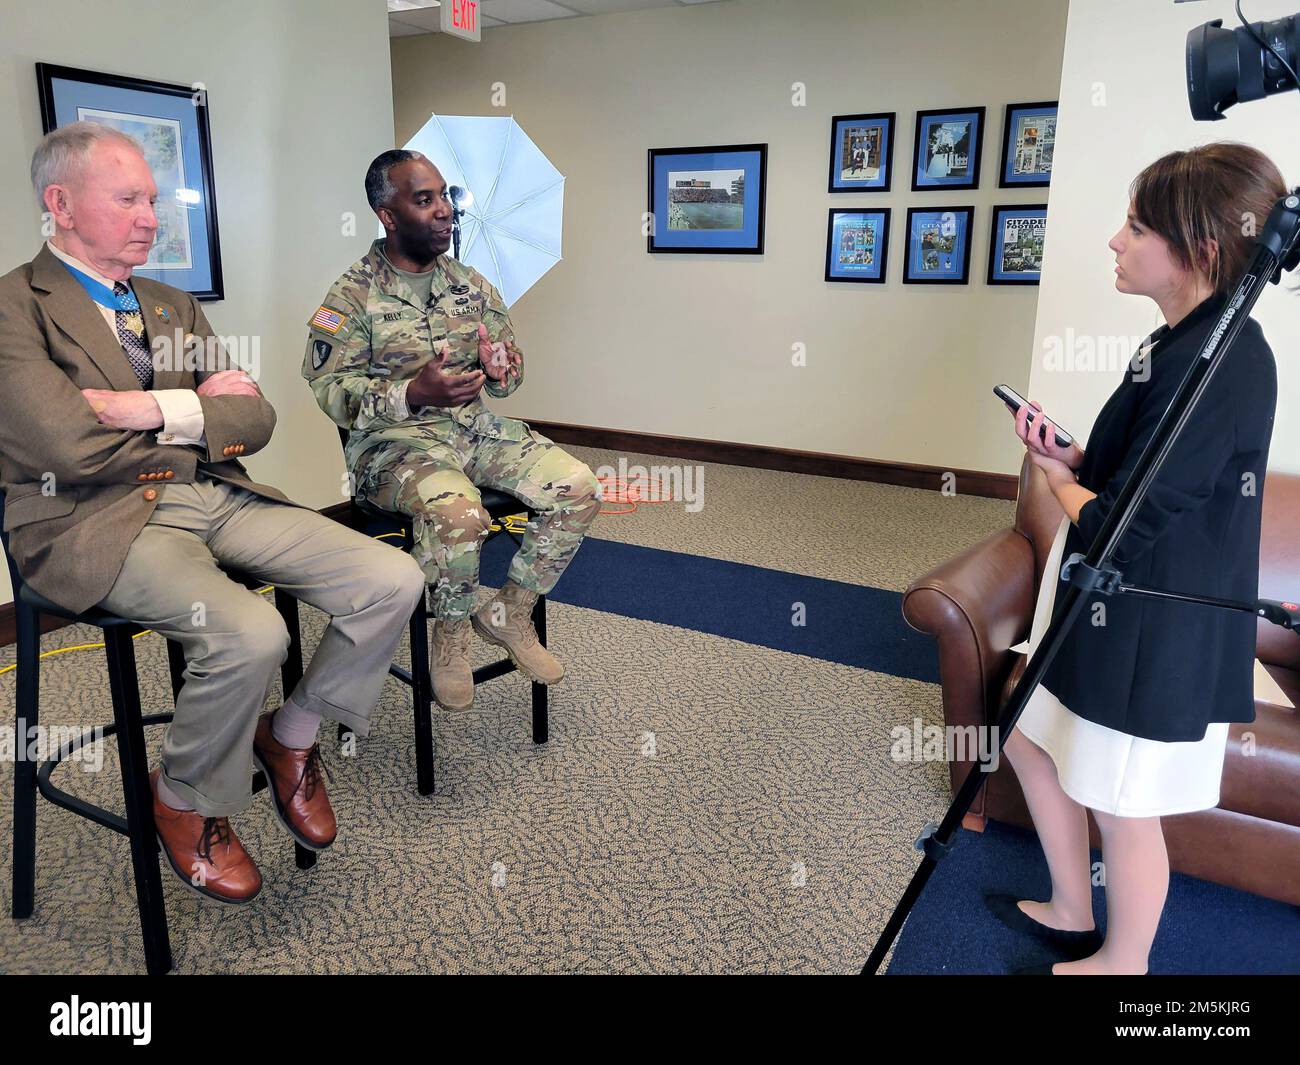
x,y
120,438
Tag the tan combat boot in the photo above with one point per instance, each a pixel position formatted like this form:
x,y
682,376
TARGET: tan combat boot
x,y
505,621
453,679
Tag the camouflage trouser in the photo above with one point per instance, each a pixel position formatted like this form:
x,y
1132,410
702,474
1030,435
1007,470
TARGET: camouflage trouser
x,y
434,481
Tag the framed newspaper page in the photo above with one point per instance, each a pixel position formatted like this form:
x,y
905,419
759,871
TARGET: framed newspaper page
x,y
862,153
857,244
938,245
1016,244
1028,141
946,152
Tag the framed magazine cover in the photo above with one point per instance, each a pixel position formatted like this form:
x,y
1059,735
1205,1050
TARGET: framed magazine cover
x,y
171,123
709,199
862,152
857,245
1028,144
947,150
938,245
1016,244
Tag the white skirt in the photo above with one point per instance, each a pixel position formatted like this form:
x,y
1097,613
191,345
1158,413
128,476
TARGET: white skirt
x,y
1112,771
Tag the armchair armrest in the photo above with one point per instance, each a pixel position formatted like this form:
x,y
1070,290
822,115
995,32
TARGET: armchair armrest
x,y
977,605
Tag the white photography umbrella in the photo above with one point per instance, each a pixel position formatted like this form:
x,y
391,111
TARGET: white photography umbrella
x,y
511,230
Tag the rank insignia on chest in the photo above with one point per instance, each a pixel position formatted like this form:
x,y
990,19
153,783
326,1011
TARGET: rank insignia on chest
x,y
392,316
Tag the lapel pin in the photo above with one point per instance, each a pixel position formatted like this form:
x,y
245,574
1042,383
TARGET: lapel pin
x,y
161,312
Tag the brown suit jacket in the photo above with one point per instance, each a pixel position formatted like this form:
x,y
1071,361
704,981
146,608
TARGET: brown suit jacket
x,y
70,544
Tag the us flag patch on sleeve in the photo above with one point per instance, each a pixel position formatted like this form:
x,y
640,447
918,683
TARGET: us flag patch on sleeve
x,y
330,321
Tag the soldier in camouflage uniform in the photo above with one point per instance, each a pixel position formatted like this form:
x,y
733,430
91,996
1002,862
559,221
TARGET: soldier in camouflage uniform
x,y
398,352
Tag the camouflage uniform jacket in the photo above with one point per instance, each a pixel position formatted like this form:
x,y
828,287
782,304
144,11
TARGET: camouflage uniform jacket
x,y
371,336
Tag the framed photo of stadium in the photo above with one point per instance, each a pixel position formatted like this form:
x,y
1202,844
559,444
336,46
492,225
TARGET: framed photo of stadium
x,y
707,199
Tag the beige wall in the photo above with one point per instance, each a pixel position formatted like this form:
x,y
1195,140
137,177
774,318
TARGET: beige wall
x,y
698,345
1123,105
300,104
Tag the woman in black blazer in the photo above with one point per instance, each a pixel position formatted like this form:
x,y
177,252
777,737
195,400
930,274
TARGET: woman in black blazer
x,y
1131,720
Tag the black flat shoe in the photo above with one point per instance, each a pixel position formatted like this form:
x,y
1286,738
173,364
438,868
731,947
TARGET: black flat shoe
x,y
1074,944
1036,970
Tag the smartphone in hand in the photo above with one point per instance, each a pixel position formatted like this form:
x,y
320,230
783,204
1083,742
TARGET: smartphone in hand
x,y
1014,401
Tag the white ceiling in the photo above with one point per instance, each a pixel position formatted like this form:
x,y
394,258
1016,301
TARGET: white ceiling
x,y
424,19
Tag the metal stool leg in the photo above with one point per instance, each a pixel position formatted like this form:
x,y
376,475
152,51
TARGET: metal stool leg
x,y
291,671
290,676
422,697
541,704
28,716
176,666
139,799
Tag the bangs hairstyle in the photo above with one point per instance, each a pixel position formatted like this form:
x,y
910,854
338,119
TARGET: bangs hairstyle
x,y
1222,192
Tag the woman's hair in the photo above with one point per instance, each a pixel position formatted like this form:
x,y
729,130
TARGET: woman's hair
x,y
1222,192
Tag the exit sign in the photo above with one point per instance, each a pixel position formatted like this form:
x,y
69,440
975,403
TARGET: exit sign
x,y
460,18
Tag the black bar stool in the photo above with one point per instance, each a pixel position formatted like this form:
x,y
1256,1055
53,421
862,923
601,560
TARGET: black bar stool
x,y
499,505
128,726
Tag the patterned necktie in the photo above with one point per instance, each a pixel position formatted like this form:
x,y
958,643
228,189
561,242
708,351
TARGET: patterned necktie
x,y
130,332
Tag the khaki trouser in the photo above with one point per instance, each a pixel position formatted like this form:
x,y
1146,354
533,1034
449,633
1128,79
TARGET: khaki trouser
x,y
235,640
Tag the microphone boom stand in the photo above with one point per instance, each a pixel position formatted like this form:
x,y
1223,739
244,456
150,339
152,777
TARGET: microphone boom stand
x,y
1277,250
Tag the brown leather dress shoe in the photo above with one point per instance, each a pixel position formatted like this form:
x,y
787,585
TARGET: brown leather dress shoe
x,y
205,852
297,789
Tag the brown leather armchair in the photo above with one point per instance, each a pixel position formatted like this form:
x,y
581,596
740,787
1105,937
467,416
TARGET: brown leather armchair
x,y
980,603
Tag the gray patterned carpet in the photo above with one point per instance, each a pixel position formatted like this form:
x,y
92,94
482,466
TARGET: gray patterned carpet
x,y
704,804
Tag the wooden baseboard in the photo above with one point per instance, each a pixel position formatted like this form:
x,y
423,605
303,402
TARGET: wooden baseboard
x,y
822,464
341,512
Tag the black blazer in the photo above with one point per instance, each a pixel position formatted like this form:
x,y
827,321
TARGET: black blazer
x,y
1164,671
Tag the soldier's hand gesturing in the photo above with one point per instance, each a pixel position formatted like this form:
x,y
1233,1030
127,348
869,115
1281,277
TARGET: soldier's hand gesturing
x,y
433,387
498,360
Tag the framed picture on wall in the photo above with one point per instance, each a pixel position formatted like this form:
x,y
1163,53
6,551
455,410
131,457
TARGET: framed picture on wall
x,y
862,152
938,245
1028,142
946,153
707,199
171,123
857,245
1016,244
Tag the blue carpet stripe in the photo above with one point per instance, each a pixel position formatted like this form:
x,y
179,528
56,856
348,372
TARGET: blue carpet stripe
x,y
851,624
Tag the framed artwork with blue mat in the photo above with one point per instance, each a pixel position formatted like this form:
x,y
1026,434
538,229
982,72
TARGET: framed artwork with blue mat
x,y
857,244
709,199
938,245
171,123
1028,144
947,150
1016,244
862,152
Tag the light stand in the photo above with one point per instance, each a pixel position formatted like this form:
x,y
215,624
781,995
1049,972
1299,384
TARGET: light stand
x,y
461,199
